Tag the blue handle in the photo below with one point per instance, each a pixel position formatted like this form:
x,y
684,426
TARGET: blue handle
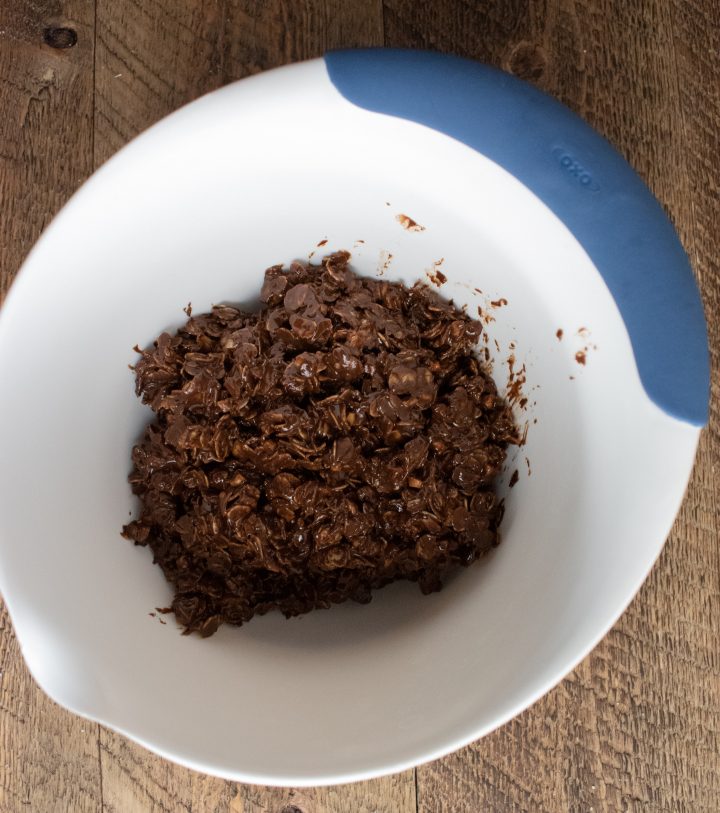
x,y
583,180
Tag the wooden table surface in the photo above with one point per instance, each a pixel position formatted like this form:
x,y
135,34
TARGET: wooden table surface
x,y
636,727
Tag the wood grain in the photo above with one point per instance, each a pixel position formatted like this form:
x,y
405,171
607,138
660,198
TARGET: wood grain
x,y
259,36
48,758
636,727
152,58
46,123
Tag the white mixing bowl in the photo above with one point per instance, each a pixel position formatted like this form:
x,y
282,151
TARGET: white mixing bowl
x,y
518,199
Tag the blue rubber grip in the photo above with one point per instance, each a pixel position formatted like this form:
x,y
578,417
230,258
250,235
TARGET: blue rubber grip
x,y
580,177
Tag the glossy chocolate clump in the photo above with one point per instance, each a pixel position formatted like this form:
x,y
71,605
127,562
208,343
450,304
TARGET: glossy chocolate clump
x,y
342,437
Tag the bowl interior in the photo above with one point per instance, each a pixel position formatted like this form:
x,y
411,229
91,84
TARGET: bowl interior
x,y
194,211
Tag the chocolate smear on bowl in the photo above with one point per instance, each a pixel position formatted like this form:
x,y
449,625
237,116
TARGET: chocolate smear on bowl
x,y
408,223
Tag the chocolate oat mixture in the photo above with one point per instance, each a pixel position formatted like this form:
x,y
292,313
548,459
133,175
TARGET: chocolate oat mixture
x,y
340,438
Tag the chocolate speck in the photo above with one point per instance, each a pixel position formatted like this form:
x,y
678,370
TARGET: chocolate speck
x,y
516,381
514,478
384,264
559,333
188,309
580,357
436,276
486,318
523,437
408,223
322,243
498,303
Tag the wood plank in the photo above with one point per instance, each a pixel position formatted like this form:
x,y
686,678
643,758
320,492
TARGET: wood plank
x,y
696,29
137,780
49,757
695,26
152,57
46,123
148,64
259,36
134,779
635,727
394,794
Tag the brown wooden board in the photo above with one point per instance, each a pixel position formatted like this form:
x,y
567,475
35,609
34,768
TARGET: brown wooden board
x,y
636,727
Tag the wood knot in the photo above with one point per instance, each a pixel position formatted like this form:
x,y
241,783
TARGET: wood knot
x,y
60,37
527,61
